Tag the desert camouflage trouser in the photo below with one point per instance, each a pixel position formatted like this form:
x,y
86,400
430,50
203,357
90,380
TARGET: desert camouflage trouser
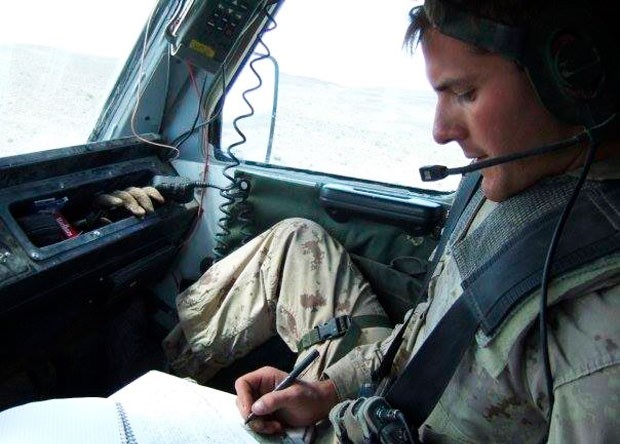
x,y
285,281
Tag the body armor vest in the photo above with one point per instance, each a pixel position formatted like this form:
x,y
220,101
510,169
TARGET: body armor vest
x,y
501,264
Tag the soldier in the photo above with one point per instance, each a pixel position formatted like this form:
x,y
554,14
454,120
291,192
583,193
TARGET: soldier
x,y
510,76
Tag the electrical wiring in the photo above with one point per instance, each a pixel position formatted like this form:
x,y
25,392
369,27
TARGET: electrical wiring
x,y
236,193
198,219
192,77
543,313
205,145
179,140
181,9
139,93
182,138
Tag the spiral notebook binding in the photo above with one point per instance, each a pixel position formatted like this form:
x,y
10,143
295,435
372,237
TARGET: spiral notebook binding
x,y
128,437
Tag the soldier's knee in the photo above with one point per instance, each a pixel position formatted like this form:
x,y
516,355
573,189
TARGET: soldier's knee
x,y
298,224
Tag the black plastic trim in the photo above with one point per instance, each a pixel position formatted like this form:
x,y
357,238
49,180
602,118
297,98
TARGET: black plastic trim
x,y
344,201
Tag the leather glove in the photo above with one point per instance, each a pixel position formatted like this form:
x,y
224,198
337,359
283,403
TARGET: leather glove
x,y
138,201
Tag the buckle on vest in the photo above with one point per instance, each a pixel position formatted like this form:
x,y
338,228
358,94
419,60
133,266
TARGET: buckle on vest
x,y
333,328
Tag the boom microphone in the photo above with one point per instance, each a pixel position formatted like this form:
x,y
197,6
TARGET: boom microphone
x,y
432,173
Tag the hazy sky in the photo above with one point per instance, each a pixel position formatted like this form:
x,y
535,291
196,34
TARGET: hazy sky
x,y
349,55
111,29
357,41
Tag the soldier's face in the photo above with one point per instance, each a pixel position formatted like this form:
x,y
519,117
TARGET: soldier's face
x,y
488,106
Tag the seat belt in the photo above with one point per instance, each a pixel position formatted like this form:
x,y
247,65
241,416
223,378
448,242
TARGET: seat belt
x,y
490,295
469,185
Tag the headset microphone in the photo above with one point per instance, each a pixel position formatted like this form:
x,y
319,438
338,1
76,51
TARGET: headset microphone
x,y
432,173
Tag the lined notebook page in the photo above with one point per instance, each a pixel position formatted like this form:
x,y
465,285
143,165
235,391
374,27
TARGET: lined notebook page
x,y
165,409
62,421
156,408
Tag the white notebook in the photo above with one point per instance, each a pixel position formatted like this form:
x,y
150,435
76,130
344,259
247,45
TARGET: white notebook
x,y
156,408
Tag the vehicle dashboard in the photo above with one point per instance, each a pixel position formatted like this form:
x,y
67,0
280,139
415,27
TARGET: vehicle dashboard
x,y
54,278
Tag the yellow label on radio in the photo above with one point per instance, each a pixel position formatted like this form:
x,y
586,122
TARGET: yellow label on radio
x,y
202,48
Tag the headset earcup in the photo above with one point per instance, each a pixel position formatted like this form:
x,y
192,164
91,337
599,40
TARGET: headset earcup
x,y
570,63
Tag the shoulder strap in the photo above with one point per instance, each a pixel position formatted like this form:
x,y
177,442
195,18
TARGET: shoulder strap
x,y
464,194
591,232
488,298
469,186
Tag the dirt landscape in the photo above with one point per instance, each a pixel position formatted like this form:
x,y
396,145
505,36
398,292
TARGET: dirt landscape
x,y
49,98
382,134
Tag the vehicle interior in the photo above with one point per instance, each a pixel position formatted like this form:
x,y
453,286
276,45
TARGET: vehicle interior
x,y
242,113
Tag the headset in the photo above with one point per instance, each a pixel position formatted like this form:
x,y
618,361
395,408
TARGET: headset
x,y
568,61
569,57
567,53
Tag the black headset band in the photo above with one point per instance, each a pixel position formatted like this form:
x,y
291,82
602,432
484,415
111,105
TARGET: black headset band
x,y
566,52
478,31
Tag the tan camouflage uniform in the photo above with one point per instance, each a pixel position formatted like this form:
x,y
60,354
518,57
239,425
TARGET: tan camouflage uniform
x,y
498,392
287,280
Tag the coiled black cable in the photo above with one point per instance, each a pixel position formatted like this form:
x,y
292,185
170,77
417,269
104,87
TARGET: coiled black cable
x,y
237,192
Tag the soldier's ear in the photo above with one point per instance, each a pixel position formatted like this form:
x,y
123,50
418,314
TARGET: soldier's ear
x,y
568,53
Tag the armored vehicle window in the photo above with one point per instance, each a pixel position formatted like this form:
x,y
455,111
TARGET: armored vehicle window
x,y
339,95
58,63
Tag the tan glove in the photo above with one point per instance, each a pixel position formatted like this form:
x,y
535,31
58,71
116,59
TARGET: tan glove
x,y
138,201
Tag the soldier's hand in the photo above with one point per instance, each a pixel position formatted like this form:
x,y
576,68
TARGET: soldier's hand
x,y
303,403
138,201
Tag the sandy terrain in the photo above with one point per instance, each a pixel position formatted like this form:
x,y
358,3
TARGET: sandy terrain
x,y
320,126
50,98
377,134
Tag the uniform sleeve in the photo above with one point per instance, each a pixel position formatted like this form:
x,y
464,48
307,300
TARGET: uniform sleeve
x,y
356,367
584,338
586,410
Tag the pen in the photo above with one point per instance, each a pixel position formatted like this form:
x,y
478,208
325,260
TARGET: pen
x,y
291,377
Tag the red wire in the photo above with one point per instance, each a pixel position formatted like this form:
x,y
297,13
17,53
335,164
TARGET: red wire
x,y
192,77
198,219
